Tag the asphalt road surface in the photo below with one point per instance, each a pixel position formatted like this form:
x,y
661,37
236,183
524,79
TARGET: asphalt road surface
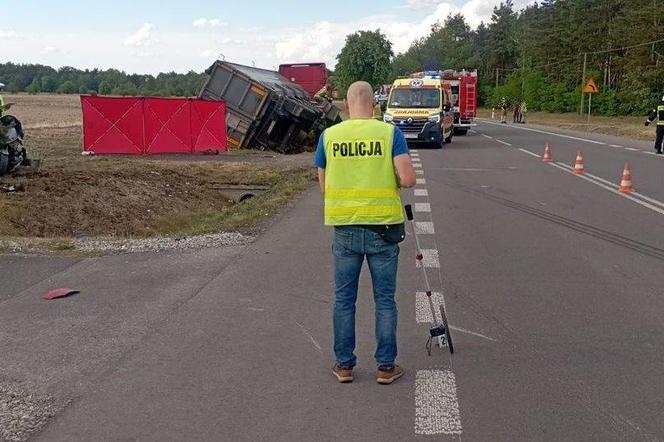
x,y
553,285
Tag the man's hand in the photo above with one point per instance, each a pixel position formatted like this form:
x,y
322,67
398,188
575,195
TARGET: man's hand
x,y
8,106
321,180
405,170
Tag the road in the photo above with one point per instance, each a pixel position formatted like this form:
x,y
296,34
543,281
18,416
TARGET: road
x,y
553,286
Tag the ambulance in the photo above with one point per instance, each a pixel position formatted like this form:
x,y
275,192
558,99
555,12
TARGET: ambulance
x,y
422,109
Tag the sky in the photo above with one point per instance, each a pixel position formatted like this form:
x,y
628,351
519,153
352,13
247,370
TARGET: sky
x,y
151,36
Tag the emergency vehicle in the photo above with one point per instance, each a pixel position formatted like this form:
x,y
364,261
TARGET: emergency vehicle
x,y
422,109
463,90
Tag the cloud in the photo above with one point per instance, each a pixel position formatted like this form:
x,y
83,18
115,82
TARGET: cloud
x,y
141,38
420,4
208,23
9,35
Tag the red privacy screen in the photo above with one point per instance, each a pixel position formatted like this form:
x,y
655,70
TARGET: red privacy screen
x,y
119,125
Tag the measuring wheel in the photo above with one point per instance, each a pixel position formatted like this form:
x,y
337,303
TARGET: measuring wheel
x,y
448,335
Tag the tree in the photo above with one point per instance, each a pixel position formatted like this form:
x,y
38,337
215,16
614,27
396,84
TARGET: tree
x,y
49,84
68,87
34,87
366,56
105,88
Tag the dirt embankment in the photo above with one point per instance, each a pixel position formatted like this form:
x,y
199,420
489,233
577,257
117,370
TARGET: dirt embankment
x,y
129,196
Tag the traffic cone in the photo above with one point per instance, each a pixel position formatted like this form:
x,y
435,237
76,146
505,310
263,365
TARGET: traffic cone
x,y
578,167
626,183
547,154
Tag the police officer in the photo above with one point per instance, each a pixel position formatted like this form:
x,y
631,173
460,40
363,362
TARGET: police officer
x,y
361,163
658,114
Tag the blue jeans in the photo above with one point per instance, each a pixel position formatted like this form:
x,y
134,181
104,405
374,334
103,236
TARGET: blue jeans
x,y
351,245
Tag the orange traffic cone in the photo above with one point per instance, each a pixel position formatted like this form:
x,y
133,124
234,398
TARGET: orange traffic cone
x,y
547,154
626,183
578,167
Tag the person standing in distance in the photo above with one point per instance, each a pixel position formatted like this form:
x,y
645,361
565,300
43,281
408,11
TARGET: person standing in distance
x,y
658,114
361,163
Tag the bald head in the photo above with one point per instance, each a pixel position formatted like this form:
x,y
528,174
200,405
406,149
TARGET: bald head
x,y
360,100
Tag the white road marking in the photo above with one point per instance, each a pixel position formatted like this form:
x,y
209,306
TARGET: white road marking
x,y
310,336
503,142
486,136
655,154
546,132
632,149
421,181
616,186
616,145
529,152
423,310
436,403
421,192
414,154
422,207
468,332
429,259
419,172
414,151
424,228
417,165
610,189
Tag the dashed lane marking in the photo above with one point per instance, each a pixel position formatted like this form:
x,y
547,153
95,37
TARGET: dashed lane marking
x,y
615,145
632,149
423,310
420,180
546,132
436,403
430,259
422,207
487,136
615,186
414,151
417,165
424,228
419,172
529,152
610,189
421,192
503,142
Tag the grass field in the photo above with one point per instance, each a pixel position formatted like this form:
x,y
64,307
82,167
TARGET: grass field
x,y
129,196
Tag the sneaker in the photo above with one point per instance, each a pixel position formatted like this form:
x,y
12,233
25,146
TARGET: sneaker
x,y
659,152
343,374
387,375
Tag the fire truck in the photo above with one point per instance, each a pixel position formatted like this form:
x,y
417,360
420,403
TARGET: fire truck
x,y
463,90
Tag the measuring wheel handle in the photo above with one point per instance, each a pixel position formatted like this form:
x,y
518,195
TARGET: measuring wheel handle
x,y
409,212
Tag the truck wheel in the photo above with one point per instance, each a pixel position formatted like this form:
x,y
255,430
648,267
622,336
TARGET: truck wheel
x,y
460,131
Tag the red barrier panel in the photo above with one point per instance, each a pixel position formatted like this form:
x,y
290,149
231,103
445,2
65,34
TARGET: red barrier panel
x,y
114,125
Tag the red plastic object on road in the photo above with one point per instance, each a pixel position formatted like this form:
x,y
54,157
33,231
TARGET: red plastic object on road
x,y
311,76
135,125
60,293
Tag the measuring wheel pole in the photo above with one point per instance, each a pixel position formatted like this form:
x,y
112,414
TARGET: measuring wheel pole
x,y
435,331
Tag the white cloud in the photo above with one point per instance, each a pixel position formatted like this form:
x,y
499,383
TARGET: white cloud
x,y
183,51
142,37
9,35
420,4
208,23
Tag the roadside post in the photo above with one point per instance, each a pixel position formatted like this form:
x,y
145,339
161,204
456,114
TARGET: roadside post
x,y
590,88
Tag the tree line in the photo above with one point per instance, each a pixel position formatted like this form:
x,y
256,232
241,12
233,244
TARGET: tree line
x,y
535,54
35,78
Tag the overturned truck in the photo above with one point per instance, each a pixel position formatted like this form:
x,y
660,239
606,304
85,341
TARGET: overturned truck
x,y
264,110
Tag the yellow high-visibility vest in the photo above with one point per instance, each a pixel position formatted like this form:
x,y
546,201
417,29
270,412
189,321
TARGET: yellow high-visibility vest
x,y
2,107
360,181
660,115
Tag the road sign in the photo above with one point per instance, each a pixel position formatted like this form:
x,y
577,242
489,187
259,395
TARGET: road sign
x,y
591,87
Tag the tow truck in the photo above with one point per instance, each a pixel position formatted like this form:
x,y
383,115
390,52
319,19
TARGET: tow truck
x,y
422,109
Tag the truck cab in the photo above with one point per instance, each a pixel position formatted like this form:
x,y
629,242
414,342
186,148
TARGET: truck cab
x,y
421,108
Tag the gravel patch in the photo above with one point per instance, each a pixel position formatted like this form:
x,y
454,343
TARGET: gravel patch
x,y
23,413
110,245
